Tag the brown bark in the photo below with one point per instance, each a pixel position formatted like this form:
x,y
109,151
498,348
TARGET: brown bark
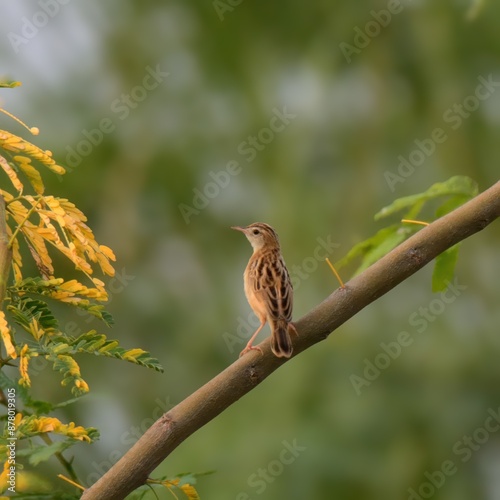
x,y
132,470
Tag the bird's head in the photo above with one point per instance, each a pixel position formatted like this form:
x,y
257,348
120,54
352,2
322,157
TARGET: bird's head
x,y
260,235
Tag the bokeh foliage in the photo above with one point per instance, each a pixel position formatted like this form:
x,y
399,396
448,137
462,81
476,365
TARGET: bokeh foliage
x,y
34,220
321,178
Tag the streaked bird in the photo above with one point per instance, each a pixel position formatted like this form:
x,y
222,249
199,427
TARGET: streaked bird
x,y
268,288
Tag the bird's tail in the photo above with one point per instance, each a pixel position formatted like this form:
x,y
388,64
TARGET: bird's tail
x,y
281,345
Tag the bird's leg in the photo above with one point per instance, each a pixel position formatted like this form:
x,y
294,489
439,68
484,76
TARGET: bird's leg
x,y
292,329
249,346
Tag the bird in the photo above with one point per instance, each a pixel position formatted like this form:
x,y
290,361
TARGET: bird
x,y
268,288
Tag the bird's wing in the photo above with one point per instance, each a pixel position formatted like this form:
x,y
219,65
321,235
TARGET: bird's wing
x,y
271,282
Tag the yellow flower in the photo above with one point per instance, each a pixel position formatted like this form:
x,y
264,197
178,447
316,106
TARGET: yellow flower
x,y
7,337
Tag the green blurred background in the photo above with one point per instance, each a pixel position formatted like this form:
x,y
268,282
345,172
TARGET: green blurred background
x,y
358,103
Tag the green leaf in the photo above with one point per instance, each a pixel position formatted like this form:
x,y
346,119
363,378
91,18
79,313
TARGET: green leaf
x,y
107,318
39,286
10,85
192,477
457,185
452,203
44,408
7,383
383,248
25,309
141,492
444,268
38,407
414,210
68,367
99,345
45,452
377,246
457,190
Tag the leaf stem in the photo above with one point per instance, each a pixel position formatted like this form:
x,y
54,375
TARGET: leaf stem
x,y
410,221
76,485
334,271
65,463
18,228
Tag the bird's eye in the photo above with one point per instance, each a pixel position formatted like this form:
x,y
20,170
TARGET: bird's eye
x,y
255,232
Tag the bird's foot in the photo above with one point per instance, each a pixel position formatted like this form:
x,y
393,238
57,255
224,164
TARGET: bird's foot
x,y
251,347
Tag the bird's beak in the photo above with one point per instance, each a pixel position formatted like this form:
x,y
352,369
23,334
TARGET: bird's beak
x,y
238,228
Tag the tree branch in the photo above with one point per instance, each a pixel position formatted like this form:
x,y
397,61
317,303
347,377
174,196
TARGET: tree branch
x,y
132,470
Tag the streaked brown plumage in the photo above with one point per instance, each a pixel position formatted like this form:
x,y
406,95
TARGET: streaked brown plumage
x,y
268,288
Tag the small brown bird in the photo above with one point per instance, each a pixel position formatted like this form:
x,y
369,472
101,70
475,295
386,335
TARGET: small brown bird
x,y
268,288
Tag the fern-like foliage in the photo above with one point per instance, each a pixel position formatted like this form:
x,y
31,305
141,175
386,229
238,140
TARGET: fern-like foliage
x,y
181,486
35,225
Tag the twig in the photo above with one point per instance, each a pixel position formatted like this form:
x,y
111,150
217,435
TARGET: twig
x,y
76,485
19,227
170,430
334,271
62,460
410,221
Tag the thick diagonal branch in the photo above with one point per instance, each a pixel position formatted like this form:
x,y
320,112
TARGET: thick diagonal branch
x,y
246,373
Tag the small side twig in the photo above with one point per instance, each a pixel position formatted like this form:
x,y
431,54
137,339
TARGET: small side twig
x,y
68,467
